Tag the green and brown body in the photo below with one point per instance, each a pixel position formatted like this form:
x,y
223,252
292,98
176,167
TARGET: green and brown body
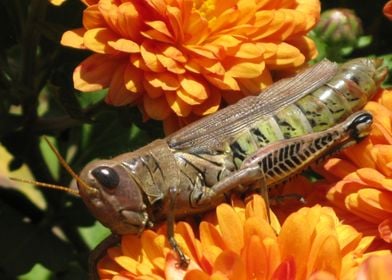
x,y
262,140
191,164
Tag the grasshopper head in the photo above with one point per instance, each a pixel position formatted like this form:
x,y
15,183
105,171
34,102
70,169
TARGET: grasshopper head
x,y
113,197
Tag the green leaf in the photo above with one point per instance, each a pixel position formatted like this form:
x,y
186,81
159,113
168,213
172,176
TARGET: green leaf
x,y
95,234
364,41
38,272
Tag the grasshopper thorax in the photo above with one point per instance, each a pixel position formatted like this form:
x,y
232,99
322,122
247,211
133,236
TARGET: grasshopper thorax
x,y
113,197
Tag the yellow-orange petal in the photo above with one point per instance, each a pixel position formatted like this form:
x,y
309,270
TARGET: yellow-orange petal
x,y
293,226
196,275
95,72
107,268
209,106
375,268
372,177
363,149
244,69
255,85
133,79
179,107
57,2
194,86
338,167
287,56
247,51
148,53
384,97
306,45
92,18
260,260
153,247
230,265
325,255
366,204
118,94
97,40
166,81
255,227
193,247
383,158
210,236
382,115
74,38
124,45
230,227
156,108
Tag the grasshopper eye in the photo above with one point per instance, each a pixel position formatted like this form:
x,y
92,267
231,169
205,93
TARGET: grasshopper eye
x,y
106,176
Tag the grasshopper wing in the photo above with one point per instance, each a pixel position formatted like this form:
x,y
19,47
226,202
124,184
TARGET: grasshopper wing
x,y
209,133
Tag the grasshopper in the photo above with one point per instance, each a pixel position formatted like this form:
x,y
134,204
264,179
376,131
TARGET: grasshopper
x,y
250,146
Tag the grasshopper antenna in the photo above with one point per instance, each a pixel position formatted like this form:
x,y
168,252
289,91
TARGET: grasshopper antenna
x,y
67,167
69,170
46,185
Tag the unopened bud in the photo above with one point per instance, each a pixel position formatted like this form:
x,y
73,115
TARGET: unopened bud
x,y
339,27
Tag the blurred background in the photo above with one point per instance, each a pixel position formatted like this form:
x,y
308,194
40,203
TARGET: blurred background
x,y
48,234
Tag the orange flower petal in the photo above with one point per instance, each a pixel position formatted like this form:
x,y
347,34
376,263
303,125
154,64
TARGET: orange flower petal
x,y
74,38
95,72
286,56
363,148
293,226
338,167
366,204
125,45
119,95
196,275
254,256
156,108
245,69
209,106
230,265
230,227
92,18
194,87
325,255
149,56
178,106
97,40
165,81
387,10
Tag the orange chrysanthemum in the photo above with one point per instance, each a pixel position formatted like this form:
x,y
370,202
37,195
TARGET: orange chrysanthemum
x,y
387,10
239,243
177,59
361,179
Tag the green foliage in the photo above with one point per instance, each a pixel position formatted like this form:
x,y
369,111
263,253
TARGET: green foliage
x,y
51,239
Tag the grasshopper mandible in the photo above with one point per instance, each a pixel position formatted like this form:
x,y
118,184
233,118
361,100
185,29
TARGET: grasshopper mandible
x,y
255,144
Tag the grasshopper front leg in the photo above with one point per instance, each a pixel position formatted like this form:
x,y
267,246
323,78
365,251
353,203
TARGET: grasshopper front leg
x,y
281,160
98,253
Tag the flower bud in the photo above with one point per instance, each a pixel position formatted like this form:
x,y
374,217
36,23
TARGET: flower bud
x,y
339,27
